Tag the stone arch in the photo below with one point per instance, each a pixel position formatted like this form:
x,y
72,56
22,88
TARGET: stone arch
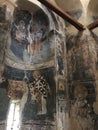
x,y
34,6
20,54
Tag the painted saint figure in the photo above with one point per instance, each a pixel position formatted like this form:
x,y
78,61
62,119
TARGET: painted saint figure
x,y
39,89
20,30
36,41
82,109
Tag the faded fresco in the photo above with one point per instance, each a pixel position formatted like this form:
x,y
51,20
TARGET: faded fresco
x,y
38,108
33,56
82,98
82,74
80,60
37,96
52,84
29,42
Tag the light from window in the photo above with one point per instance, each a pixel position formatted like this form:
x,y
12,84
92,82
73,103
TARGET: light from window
x,y
13,119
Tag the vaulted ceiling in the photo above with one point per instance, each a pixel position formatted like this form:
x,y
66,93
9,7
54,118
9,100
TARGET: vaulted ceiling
x,y
73,7
66,5
69,5
93,7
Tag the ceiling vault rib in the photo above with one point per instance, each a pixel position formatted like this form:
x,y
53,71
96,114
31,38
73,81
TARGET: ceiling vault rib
x,y
63,14
93,25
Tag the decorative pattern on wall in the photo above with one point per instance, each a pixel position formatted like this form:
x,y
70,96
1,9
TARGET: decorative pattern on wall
x,y
60,53
41,105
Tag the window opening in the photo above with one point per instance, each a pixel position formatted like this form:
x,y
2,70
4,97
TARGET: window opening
x,y
13,119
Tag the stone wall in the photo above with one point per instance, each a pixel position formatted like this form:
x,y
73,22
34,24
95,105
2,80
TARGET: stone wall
x,y
34,62
82,75
53,73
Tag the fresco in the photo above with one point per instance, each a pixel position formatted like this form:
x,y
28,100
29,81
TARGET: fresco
x,y
82,75
38,88
28,74
42,93
82,98
29,39
42,90
20,32
80,60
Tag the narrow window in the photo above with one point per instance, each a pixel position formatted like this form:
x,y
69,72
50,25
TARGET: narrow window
x,y
13,119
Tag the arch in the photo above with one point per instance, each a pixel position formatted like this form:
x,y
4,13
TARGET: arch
x,y
33,6
41,22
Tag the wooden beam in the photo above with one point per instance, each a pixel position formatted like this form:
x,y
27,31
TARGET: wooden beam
x,y
63,14
93,25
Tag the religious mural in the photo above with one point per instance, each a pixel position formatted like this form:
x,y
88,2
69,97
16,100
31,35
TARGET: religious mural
x,y
82,75
28,74
82,98
29,38
80,60
40,90
42,93
40,107
33,77
30,42
20,33
35,91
